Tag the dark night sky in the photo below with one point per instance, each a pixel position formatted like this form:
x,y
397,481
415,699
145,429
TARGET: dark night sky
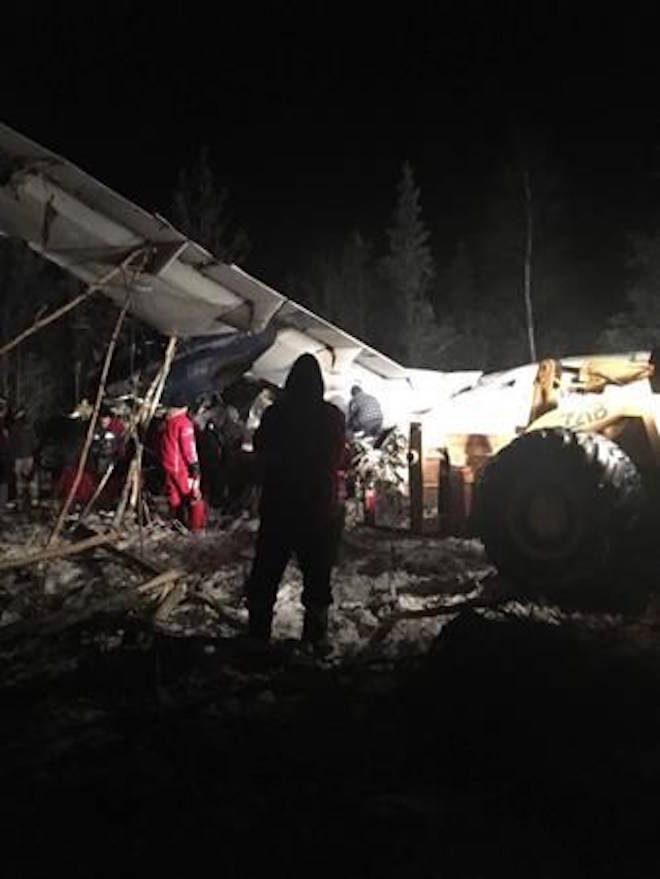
x,y
310,108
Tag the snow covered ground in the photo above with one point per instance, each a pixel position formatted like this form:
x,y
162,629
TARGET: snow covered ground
x,y
456,728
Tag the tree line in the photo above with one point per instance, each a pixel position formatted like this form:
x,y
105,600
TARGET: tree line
x,y
512,285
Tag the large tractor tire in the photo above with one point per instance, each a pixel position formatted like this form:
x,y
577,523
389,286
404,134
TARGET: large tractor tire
x,y
556,508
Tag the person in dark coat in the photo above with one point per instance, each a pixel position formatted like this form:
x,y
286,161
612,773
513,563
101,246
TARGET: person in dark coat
x,y
299,448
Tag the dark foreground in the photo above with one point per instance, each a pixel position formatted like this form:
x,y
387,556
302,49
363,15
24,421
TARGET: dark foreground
x,y
510,750
513,746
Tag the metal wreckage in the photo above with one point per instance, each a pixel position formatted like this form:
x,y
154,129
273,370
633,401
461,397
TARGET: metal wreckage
x,y
549,463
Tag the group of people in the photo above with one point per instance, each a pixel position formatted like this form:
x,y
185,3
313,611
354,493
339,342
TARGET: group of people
x,y
39,459
297,456
200,455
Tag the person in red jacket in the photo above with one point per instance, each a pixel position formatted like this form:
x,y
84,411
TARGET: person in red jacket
x,y
179,459
299,448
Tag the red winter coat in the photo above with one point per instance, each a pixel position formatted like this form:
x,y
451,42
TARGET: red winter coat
x,y
178,452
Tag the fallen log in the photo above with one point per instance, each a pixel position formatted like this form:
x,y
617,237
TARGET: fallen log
x,y
388,624
163,579
60,551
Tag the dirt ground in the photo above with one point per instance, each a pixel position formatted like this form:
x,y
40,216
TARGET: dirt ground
x,y
456,729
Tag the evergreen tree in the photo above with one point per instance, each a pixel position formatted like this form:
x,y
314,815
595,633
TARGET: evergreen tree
x,y
356,277
200,211
637,325
409,269
342,287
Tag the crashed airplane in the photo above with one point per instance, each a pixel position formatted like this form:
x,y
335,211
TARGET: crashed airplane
x,y
182,290
563,445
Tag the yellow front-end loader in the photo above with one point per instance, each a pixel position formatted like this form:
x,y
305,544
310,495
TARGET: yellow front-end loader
x,y
559,488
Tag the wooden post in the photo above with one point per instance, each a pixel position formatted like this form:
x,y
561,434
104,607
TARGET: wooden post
x,y
415,481
92,423
97,492
126,490
143,419
155,392
57,552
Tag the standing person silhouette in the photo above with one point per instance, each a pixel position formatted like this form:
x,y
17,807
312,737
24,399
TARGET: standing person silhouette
x,y
300,447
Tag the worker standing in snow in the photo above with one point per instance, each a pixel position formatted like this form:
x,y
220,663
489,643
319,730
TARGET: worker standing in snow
x,y
179,459
299,447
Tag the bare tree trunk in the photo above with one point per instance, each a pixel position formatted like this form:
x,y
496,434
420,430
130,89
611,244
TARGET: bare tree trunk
x,y
527,278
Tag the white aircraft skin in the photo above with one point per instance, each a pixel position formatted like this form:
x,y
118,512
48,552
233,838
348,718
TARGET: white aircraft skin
x,y
180,289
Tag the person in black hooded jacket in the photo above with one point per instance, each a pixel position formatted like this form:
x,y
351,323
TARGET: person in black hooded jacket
x,y
300,448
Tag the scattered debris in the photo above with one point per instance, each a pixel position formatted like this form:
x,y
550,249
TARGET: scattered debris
x,y
130,661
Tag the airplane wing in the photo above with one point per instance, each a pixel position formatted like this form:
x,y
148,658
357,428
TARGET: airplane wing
x,y
177,286
181,289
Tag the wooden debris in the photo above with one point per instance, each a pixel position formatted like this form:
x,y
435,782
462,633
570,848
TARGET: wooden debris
x,y
97,492
225,614
64,619
124,552
56,552
124,599
490,598
92,423
171,597
163,579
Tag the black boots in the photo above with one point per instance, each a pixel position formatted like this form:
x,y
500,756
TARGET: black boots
x,y
315,625
314,632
